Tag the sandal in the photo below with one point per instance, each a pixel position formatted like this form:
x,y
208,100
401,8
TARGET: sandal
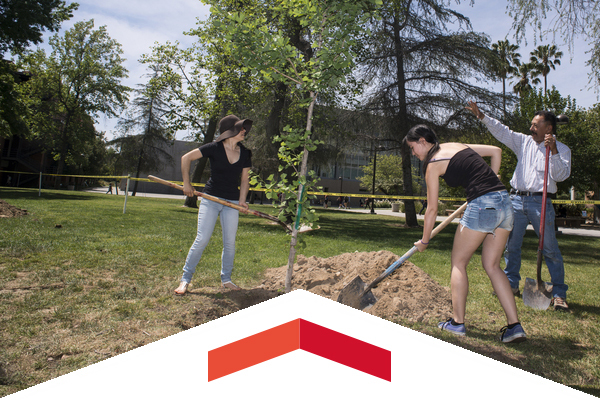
x,y
182,288
230,285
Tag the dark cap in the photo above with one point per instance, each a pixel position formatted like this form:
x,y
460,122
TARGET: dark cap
x,y
231,125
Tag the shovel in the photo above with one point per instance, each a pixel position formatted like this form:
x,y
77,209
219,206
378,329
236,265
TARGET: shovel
x,y
358,295
537,294
223,202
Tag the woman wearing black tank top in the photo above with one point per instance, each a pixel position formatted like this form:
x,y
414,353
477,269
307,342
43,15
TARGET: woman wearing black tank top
x,y
230,163
487,220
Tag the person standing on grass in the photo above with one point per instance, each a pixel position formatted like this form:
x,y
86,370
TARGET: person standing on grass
x,y
526,194
487,220
230,164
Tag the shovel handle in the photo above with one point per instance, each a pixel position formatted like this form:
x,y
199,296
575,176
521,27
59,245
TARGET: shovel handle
x,y
543,219
414,249
223,202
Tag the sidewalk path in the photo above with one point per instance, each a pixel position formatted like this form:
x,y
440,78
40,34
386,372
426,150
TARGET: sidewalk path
x,y
584,231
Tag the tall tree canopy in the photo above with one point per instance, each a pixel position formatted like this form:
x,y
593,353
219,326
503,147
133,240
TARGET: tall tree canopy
x,y
569,19
508,61
545,58
420,70
22,23
80,79
146,136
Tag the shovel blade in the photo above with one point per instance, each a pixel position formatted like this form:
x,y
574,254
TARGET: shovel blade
x,y
353,295
536,297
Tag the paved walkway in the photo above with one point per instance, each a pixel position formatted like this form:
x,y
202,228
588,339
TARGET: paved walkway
x,y
592,231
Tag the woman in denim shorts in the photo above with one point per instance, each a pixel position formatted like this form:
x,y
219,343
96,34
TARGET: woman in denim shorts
x,y
487,220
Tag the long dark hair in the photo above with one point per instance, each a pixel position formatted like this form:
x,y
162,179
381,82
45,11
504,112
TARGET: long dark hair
x,y
423,131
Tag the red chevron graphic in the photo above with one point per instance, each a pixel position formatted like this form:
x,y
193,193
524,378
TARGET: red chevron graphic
x,y
299,334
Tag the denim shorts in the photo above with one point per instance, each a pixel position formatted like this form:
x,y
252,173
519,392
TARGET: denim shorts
x,y
488,212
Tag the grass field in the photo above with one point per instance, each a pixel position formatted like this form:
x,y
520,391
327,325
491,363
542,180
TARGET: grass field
x,y
101,283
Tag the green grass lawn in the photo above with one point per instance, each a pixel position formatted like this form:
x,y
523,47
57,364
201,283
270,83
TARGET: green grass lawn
x,y
101,283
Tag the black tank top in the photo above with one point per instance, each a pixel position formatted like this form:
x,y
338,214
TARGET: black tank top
x,y
469,170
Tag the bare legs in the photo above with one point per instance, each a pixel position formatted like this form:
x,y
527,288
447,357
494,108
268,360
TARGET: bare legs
x,y
466,242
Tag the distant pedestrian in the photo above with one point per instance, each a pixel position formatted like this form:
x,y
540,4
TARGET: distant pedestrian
x,y
109,188
424,207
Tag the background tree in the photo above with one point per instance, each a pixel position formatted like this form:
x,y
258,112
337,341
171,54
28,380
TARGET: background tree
x,y
569,19
388,175
526,77
186,81
203,83
544,58
145,138
79,79
506,65
22,23
420,71
583,143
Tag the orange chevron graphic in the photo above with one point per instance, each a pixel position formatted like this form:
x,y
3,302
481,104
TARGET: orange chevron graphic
x,y
299,334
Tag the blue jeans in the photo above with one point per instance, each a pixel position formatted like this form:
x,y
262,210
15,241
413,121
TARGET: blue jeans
x,y
528,209
207,218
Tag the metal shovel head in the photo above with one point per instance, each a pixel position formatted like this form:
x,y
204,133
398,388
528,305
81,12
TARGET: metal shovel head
x,y
535,297
353,295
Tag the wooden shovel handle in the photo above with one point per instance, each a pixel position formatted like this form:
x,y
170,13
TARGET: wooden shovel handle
x,y
223,202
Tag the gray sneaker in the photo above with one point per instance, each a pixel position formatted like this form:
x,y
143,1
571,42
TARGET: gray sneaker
x,y
514,335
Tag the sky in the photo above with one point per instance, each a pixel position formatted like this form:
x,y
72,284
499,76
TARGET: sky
x,y
139,24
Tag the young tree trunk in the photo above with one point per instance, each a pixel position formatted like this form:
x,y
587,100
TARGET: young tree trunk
x,y
303,170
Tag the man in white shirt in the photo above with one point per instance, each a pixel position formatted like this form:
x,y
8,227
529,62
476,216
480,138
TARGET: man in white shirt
x,y
526,194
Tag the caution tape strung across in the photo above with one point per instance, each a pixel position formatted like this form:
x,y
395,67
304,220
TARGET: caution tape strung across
x,y
331,194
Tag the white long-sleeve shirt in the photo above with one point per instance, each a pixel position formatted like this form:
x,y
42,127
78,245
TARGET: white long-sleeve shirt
x,y
531,158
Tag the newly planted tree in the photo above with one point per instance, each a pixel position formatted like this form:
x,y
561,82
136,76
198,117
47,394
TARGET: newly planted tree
x,y
318,60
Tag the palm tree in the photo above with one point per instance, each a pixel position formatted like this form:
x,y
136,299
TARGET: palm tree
x,y
508,63
544,58
526,78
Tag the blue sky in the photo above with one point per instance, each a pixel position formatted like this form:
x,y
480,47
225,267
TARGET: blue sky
x,y
139,24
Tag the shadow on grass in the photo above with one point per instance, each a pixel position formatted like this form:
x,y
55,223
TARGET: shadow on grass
x,y
575,249
335,224
218,303
547,357
18,193
579,310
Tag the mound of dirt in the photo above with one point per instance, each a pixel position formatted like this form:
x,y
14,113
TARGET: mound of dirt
x,y
8,211
408,293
